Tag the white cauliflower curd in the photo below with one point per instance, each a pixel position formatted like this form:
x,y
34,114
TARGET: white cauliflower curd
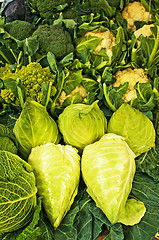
x,y
135,11
132,76
144,31
108,41
80,89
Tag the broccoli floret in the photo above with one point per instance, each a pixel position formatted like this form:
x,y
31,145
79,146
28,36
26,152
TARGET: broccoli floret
x,y
55,39
32,77
47,8
8,141
19,29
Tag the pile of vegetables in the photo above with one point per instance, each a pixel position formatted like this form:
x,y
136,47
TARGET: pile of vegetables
x,y
79,120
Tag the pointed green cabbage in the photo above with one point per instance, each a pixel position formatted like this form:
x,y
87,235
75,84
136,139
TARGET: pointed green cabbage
x,y
82,124
57,171
34,127
134,126
17,192
108,169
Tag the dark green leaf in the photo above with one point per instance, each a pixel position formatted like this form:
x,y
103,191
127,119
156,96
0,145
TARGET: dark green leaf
x,y
52,62
30,45
149,162
145,97
46,228
72,81
147,191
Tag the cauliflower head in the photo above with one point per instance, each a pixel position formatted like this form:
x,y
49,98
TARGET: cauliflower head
x,y
144,31
32,77
108,41
135,11
132,76
79,89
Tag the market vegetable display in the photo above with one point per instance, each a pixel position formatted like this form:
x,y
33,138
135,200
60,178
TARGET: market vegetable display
x,y
79,120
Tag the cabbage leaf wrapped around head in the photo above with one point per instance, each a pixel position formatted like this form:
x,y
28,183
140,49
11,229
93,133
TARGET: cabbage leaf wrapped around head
x,y
135,127
108,169
17,192
34,127
82,124
57,171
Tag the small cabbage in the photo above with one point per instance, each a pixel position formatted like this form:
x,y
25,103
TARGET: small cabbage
x,y
34,127
17,192
57,171
108,168
135,127
82,124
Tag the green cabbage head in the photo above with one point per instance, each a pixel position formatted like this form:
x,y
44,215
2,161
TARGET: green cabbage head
x,y
34,127
108,169
57,171
17,192
135,127
82,124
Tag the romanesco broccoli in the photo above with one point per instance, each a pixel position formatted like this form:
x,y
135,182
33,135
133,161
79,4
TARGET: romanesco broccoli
x,y
32,77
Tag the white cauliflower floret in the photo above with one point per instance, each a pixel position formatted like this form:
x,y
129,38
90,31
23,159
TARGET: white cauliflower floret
x,y
144,31
135,11
79,88
132,76
108,41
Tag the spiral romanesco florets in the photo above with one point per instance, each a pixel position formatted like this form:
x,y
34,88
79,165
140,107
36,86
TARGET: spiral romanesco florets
x,y
32,77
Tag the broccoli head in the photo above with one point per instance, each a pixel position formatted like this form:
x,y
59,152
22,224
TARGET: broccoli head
x,y
55,39
8,141
19,29
47,8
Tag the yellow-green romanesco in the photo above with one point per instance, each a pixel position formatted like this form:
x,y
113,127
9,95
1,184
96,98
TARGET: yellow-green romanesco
x,y
32,77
